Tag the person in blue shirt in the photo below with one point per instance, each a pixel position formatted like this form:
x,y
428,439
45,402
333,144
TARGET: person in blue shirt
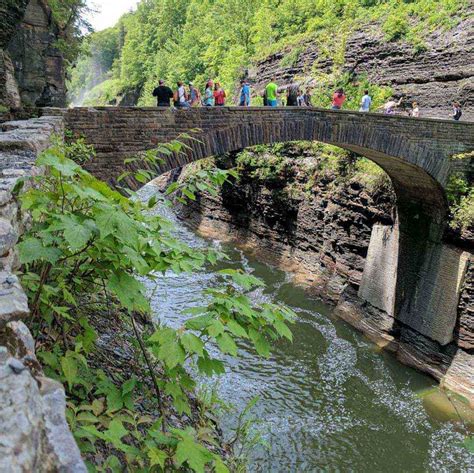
x,y
366,102
244,94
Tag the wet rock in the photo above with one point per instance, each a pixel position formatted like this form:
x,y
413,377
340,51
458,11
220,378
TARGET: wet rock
x,y
16,365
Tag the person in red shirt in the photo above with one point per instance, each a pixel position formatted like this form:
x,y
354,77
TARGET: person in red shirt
x,y
338,99
219,95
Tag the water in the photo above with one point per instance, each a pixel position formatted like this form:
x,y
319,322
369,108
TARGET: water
x,y
329,401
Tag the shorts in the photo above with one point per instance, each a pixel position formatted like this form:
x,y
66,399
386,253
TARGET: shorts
x,y
272,103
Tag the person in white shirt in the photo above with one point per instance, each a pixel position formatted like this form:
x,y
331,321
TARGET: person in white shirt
x,y
366,102
182,97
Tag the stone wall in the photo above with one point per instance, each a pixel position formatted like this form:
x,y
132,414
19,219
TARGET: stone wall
x,y
34,435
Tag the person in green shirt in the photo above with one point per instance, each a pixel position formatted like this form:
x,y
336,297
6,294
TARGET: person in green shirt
x,y
272,93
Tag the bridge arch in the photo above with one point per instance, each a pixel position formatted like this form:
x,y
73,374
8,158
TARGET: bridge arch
x,y
415,153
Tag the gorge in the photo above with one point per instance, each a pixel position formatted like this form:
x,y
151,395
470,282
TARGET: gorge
x,y
370,213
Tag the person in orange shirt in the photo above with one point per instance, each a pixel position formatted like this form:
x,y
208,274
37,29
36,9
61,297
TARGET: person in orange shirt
x,y
338,99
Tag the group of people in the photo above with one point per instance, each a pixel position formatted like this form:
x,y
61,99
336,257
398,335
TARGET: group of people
x,y
215,96
190,96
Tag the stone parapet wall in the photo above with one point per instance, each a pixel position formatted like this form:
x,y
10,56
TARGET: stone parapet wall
x,y
34,435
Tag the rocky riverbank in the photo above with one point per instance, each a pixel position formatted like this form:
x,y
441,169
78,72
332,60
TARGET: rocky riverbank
x,y
313,215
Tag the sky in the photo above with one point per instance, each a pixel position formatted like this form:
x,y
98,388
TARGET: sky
x,y
108,12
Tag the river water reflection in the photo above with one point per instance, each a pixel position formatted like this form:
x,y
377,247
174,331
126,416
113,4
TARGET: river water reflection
x,y
330,401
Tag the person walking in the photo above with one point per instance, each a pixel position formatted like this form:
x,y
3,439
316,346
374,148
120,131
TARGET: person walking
x,y
219,95
292,93
457,111
307,98
163,94
366,102
209,94
244,99
272,93
338,99
181,98
415,111
194,96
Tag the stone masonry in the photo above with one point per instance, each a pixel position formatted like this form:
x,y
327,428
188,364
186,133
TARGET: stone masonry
x,y
34,435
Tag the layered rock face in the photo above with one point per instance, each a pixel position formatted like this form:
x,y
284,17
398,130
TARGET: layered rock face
x,y
434,77
32,69
11,13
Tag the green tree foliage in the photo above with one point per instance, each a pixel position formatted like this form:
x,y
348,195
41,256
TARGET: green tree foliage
x,y
70,18
198,39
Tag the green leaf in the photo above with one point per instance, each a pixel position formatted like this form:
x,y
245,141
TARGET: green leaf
x,y
190,195
192,344
246,281
69,368
77,235
209,366
171,188
172,354
32,250
65,166
116,430
98,406
236,329
215,328
129,291
190,452
220,466
227,344
129,386
157,457
260,342
283,330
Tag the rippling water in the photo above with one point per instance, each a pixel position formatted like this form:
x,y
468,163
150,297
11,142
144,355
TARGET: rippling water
x,y
329,401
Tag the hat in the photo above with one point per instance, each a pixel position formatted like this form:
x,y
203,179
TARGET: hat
x,y
190,83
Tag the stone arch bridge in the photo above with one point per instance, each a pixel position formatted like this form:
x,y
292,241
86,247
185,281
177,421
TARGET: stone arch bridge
x,y
409,274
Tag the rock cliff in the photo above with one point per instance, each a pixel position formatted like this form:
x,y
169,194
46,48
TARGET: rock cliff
x,y
32,69
433,77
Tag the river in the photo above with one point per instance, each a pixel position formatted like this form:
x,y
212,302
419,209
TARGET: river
x,y
330,401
